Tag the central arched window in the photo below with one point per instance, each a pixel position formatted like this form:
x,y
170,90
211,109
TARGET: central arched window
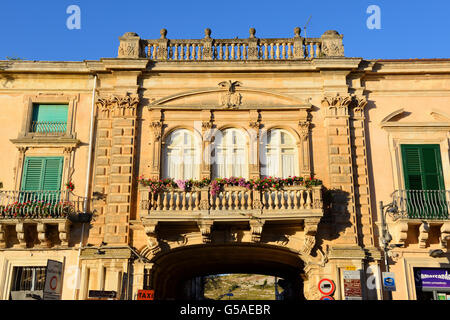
x,y
181,156
229,155
279,155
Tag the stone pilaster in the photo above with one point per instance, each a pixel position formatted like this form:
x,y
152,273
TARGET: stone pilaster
x,y
361,174
114,167
337,124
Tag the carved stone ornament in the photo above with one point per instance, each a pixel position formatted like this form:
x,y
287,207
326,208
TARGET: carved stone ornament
x,y
360,105
204,204
230,99
157,129
304,129
337,105
119,105
256,227
205,229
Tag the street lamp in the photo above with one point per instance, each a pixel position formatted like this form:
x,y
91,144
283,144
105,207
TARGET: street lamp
x,y
386,237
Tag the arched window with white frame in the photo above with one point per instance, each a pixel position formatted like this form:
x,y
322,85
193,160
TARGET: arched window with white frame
x,y
181,156
279,156
229,154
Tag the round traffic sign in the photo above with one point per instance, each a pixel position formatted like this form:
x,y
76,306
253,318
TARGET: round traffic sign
x,y
53,283
327,298
326,287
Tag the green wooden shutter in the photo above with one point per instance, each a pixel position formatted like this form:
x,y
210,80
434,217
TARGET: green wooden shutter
x,y
32,174
49,113
52,174
42,174
422,167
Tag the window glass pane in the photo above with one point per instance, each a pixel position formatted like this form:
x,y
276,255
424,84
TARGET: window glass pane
x,y
280,158
180,156
230,146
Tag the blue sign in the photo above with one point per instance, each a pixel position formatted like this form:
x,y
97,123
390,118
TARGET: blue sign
x,y
389,281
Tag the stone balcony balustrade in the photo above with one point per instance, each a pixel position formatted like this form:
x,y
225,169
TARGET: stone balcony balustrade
x,y
38,218
253,48
293,204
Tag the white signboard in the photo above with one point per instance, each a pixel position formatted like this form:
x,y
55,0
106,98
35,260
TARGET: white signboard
x,y
53,280
352,285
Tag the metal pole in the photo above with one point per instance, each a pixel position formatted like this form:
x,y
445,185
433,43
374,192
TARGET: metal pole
x,y
385,245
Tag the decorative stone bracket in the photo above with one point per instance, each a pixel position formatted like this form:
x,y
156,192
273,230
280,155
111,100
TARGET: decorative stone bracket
x,y
42,225
256,227
150,227
205,227
310,230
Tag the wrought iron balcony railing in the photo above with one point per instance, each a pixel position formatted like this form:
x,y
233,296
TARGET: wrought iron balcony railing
x,y
422,204
39,204
48,127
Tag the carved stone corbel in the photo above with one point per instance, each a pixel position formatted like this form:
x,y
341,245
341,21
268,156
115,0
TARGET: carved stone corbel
x,y
310,230
20,229
445,235
205,229
42,237
400,232
151,232
256,228
2,236
63,229
424,231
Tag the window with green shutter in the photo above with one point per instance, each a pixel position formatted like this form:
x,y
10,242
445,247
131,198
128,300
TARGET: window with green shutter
x,y
42,174
424,181
49,118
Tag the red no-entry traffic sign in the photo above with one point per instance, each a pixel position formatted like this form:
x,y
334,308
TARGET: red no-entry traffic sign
x,y
326,287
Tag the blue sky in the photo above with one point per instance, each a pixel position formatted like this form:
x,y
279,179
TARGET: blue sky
x,y
36,30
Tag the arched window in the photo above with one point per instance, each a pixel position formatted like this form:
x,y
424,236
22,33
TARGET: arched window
x,y
279,155
181,156
229,155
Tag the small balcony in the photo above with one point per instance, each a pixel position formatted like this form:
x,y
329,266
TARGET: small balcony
x,y
38,218
48,128
420,218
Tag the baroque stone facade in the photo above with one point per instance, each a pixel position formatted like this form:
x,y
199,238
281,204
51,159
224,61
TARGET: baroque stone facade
x,y
347,120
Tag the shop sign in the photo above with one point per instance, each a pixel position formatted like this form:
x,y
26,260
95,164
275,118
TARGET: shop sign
x,y
100,294
433,278
352,285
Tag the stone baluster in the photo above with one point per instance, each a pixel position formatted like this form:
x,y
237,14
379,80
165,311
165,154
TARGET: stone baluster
x,y
172,200
308,199
197,200
270,199
283,51
289,52
175,52
311,50
178,202
165,201
277,51
182,52
302,199
158,201
233,51
317,50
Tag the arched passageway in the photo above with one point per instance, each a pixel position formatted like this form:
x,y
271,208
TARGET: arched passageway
x,y
172,269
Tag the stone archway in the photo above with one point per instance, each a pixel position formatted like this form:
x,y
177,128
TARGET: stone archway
x,y
171,269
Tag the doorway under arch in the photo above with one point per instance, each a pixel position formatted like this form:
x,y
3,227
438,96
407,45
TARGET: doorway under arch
x,y
171,270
